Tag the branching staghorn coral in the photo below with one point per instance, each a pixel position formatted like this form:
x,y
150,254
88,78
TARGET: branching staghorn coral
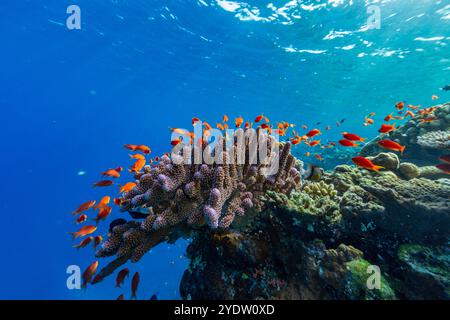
x,y
182,195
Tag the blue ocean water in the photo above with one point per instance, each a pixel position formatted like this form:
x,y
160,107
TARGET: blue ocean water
x,y
71,98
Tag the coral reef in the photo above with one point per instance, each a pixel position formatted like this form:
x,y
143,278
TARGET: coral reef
x,y
258,236
321,242
425,140
182,196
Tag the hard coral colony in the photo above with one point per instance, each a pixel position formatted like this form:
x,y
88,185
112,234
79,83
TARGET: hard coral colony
x,y
178,197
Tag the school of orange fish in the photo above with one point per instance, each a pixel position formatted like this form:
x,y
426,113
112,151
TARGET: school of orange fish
x,y
283,129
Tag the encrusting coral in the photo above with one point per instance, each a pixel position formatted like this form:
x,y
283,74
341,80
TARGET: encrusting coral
x,y
182,196
435,140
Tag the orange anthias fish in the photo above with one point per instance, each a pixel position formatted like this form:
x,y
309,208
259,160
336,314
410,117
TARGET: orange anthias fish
x,y
220,126
410,106
388,118
138,165
118,201
239,121
434,97
195,120
368,122
84,243
371,114
353,137
121,276
207,126
313,143
127,187
97,241
386,128
318,157
84,207
141,147
391,145
131,147
103,213
313,133
224,118
137,156
248,125
103,202
444,167
445,158
409,113
115,173
400,105
88,273
82,218
259,118
134,285
84,231
104,183
176,142
296,140
347,143
366,164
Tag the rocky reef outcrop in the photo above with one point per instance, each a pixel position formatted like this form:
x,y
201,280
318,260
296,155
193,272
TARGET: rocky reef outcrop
x,y
325,240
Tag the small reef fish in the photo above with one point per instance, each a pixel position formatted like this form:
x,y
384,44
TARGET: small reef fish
x,y
143,148
121,276
97,241
388,118
138,165
313,143
445,158
352,137
313,133
195,120
103,202
84,207
372,114
127,187
97,279
348,143
84,243
134,285
391,145
366,164
410,113
84,231
114,173
368,122
400,105
429,119
386,128
410,106
446,88
259,118
444,167
225,118
239,121
137,156
115,223
434,97
176,142
118,201
313,173
104,183
318,157
88,273
103,214
81,218
220,126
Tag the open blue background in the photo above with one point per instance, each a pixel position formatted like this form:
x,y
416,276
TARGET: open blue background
x,y
71,99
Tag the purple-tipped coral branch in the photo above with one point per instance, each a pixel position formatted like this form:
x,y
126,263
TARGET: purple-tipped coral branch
x,y
183,196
